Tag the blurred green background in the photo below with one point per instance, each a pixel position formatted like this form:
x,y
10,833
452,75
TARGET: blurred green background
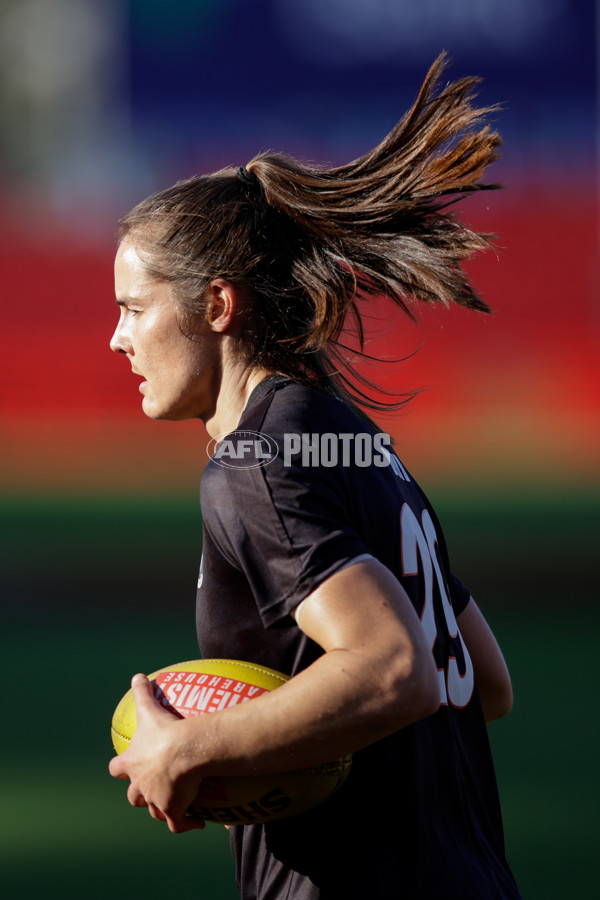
x,y
105,101
71,644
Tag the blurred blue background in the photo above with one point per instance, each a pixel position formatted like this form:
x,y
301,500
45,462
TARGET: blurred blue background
x,y
105,101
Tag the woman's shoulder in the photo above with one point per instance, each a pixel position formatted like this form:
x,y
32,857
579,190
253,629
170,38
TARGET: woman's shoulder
x,y
288,406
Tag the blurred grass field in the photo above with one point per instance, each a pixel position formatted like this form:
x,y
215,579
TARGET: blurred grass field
x,y
100,589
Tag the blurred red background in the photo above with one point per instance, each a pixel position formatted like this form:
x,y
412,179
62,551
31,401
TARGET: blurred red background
x,y
103,103
510,398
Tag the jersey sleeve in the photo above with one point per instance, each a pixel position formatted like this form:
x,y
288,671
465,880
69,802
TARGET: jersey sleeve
x,y
459,595
285,529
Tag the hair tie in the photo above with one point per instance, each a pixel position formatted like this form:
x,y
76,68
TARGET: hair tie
x,y
246,177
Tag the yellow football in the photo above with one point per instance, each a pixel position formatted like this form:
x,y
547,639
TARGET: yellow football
x,y
209,685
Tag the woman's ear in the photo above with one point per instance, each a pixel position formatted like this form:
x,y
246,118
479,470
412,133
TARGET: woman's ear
x,y
224,301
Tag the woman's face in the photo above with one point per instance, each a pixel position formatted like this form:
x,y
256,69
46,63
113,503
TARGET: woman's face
x,y
180,374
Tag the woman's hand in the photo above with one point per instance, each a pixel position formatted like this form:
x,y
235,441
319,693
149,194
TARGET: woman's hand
x,y
377,675
150,763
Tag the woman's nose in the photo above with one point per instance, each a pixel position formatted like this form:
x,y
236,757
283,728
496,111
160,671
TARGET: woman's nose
x,y
119,343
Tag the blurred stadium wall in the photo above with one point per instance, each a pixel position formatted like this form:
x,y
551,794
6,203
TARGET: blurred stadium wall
x,y
104,101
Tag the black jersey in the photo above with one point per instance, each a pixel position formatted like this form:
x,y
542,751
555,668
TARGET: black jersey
x,y
301,489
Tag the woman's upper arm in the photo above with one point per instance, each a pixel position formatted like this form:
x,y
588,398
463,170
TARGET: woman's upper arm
x,y
491,672
364,611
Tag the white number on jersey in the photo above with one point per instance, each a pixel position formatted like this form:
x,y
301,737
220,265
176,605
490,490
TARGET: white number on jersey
x,y
419,554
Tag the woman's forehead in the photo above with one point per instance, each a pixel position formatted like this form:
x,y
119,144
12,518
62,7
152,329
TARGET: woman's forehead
x,y
131,273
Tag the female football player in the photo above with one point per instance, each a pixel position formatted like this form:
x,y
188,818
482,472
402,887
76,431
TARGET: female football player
x,y
322,559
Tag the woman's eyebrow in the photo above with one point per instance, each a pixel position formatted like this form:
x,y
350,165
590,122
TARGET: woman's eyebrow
x,y
125,301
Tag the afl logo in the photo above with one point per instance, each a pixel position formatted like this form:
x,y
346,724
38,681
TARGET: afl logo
x,y
243,450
